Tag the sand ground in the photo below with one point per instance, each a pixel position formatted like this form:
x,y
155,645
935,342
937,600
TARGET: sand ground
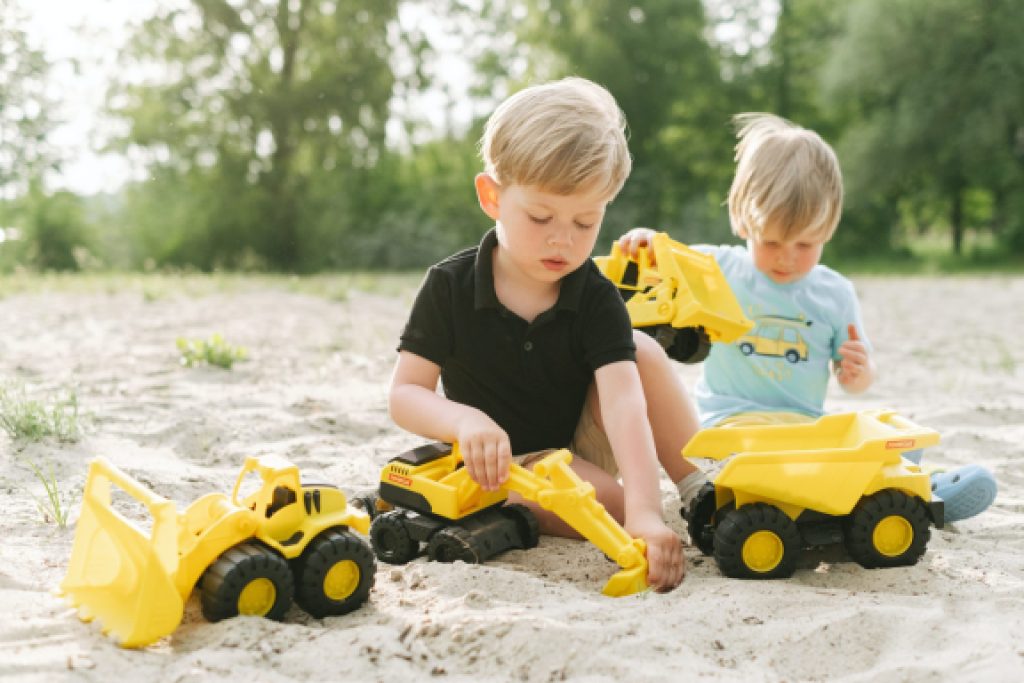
x,y
313,390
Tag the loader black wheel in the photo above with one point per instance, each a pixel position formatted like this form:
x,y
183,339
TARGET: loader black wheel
x,y
391,540
247,579
334,574
887,529
699,517
451,544
757,541
691,345
526,524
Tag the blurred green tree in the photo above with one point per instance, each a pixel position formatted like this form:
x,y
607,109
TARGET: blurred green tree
x,y
653,57
25,107
936,91
255,117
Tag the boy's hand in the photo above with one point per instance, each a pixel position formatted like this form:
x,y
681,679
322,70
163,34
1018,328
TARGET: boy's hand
x,y
636,239
666,564
855,363
486,450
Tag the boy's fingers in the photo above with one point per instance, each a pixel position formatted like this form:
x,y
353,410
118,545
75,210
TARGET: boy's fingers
x,y
851,331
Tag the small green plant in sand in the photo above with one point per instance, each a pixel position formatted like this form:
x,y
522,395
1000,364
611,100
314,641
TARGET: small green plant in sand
x,y
54,505
212,351
31,420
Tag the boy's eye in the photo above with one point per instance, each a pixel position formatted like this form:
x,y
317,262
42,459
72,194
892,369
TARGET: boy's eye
x,y
584,226
538,220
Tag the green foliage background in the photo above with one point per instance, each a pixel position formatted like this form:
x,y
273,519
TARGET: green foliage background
x,y
272,138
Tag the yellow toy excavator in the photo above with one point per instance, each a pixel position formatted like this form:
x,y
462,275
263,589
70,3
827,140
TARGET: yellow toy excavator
x,y
681,298
251,555
427,496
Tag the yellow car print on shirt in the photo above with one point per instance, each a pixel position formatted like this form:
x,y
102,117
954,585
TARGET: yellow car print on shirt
x,y
776,336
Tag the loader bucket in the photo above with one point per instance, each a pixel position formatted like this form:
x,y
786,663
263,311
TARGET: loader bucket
x,y
117,573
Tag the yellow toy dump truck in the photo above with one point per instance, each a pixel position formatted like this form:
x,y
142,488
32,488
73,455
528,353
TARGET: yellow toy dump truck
x,y
839,479
427,497
250,555
682,300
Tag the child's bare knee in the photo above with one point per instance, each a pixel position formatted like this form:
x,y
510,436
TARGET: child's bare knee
x,y
648,351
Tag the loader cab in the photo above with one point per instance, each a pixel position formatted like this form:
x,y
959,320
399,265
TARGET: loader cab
x,y
276,500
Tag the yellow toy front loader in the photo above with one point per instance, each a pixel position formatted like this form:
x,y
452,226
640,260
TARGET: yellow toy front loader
x,y
249,555
427,496
682,299
840,479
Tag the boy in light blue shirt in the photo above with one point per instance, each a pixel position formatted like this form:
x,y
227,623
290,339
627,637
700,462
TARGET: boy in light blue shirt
x,y
785,201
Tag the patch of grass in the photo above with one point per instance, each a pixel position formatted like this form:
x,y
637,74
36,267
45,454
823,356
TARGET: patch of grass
x,y
31,420
165,284
214,351
54,505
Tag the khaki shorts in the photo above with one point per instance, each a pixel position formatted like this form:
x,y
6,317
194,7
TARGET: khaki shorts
x,y
764,419
589,443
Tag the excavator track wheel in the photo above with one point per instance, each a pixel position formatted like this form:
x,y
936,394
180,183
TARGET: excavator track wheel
x,y
526,524
757,541
699,518
451,544
391,540
334,574
887,529
247,579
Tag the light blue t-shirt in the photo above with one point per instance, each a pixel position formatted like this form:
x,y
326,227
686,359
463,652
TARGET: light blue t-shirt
x,y
783,363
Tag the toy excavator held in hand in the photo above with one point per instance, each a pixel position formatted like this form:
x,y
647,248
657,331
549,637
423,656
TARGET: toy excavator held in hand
x,y
680,298
249,555
427,496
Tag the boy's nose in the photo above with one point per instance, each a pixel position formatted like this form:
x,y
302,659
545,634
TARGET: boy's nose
x,y
559,238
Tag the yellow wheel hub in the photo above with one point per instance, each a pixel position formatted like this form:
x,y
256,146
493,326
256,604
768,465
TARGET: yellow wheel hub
x,y
257,598
892,536
763,551
342,579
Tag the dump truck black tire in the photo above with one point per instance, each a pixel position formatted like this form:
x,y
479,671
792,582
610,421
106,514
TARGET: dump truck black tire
x,y
757,541
247,579
699,518
887,529
334,574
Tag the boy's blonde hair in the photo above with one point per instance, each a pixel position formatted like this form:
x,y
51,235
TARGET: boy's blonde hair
x,y
561,137
787,177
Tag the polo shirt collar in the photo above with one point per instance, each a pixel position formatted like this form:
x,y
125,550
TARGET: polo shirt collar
x,y
569,295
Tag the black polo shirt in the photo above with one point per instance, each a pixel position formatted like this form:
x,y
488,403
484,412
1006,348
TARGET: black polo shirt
x,y
530,378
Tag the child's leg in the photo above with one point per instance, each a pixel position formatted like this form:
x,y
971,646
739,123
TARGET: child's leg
x,y
670,411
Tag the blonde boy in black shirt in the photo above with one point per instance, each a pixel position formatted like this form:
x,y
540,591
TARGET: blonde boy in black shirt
x,y
532,345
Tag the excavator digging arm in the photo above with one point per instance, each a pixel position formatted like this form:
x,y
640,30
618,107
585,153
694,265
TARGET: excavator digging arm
x,y
556,487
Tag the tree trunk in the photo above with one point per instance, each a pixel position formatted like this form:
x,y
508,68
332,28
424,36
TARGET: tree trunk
x,y
956,219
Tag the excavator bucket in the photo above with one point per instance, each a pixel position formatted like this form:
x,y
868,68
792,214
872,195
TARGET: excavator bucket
x,y
119,574
556,487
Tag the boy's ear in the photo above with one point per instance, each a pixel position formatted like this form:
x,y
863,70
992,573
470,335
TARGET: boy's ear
x,y
487,193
